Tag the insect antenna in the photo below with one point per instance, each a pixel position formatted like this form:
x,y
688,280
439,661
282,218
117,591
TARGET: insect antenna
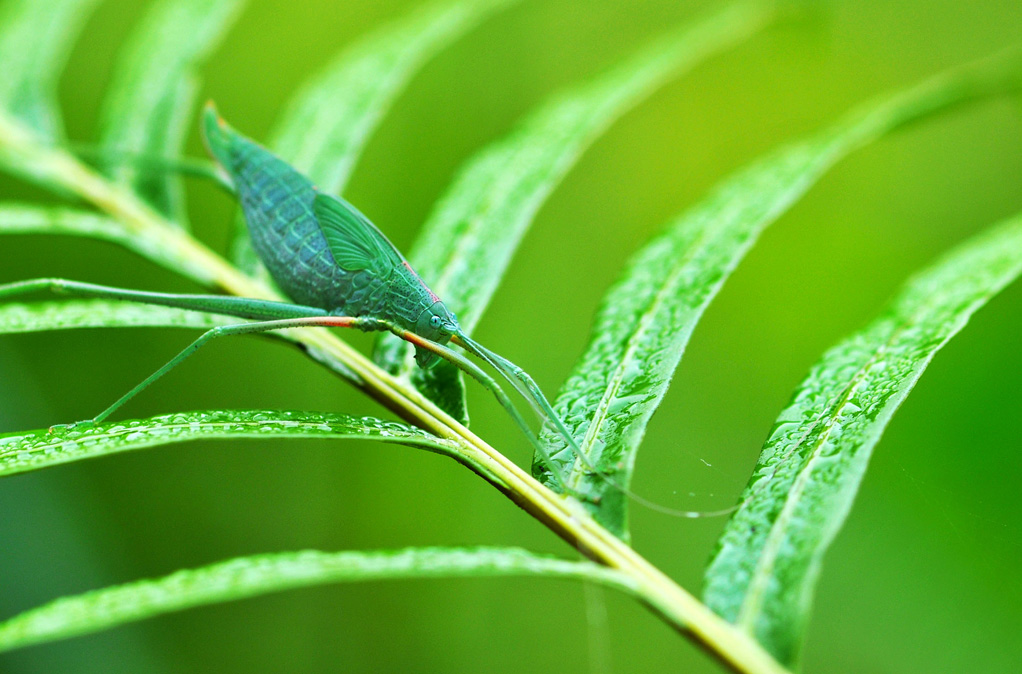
x,y
529,390
489,383
522,383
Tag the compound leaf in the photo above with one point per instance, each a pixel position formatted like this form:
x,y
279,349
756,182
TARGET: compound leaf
x,y
648,315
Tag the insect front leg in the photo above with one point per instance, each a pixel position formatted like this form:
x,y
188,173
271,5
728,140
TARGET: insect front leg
x,y
488,383
185,166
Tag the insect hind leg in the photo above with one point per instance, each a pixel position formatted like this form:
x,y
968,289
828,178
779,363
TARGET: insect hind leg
x,y
242,307
205,338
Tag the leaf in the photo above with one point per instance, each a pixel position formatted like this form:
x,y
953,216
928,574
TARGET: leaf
x,y
18,218
148,108
34,450
69,314
764,569
261,574
36,37
468,241
647,316
327,124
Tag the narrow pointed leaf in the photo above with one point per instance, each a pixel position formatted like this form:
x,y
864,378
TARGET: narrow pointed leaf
x,y
73,314
468,241
148,107
36,37
18,218
34,450
648,315
764,569
261,574
329,121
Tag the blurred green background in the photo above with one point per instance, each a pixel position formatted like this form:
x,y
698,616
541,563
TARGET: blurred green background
x,y
924,577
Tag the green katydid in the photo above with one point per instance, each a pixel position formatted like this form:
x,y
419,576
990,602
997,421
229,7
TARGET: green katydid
x,y
332,261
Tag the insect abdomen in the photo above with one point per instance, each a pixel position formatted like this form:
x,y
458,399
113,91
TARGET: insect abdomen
x,y
277,202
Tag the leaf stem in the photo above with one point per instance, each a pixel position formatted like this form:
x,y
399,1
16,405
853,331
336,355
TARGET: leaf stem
x,y
564,516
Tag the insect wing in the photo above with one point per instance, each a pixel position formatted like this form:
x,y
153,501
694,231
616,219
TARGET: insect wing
x,y
355,243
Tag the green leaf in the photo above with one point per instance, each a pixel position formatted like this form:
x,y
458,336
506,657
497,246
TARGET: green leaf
x,y
261,574
18,218
72,314
766,563
148,107
647,316
33,450
468,241
36,37
327,124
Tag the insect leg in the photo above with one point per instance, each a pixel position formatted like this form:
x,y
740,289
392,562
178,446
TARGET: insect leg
x,y
186,166
242,307
224,331
488,383
522,382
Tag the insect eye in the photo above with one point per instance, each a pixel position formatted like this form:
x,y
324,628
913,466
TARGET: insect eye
x,y
435,321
